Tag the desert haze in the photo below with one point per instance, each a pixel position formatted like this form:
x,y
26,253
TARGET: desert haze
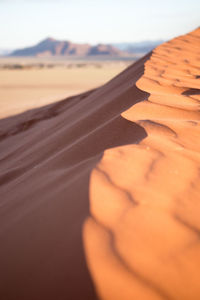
x,y
53,47
28,83
100,194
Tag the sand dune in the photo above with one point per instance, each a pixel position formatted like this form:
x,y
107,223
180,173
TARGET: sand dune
x,y
100,192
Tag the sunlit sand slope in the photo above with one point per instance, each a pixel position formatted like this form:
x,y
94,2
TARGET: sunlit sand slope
x,y
142,239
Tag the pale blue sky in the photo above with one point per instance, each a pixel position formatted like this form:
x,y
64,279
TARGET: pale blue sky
x,y
25,22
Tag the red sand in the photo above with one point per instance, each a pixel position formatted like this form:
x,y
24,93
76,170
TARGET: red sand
x,y
79,221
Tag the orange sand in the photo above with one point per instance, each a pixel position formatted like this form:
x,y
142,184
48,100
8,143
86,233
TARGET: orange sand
x,y
100,192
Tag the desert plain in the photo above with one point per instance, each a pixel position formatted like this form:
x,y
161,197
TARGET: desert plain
x,y
32,82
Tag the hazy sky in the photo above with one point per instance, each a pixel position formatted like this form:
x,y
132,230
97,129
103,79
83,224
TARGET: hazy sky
x,y
25,22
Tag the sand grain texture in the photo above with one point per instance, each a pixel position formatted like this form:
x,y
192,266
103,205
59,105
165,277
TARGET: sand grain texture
x,y
100,192
142,239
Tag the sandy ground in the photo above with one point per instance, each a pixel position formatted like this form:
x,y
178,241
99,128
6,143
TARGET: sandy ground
x,y
142,239
100,192
21,90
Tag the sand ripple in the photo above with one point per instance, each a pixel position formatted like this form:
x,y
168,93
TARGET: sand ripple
x,y
142,239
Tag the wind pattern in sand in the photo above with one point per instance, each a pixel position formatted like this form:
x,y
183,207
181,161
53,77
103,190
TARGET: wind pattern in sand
x,y
142,239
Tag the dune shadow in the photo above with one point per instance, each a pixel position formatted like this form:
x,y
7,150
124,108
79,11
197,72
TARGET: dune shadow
x,y
42,256
190,92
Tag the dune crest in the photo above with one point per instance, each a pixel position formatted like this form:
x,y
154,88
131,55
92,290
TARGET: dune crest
x,y
142,239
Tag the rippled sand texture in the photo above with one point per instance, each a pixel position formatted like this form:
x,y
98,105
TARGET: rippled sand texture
x,y
142,239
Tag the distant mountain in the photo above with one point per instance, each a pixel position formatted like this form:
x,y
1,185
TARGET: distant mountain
x,y
52,47
104,50
138,47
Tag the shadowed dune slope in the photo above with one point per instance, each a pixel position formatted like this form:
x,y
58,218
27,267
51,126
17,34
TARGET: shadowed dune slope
x,y
142,238
100,192
47,155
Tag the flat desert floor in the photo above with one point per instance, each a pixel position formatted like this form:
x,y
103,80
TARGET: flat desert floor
x,y
34,83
